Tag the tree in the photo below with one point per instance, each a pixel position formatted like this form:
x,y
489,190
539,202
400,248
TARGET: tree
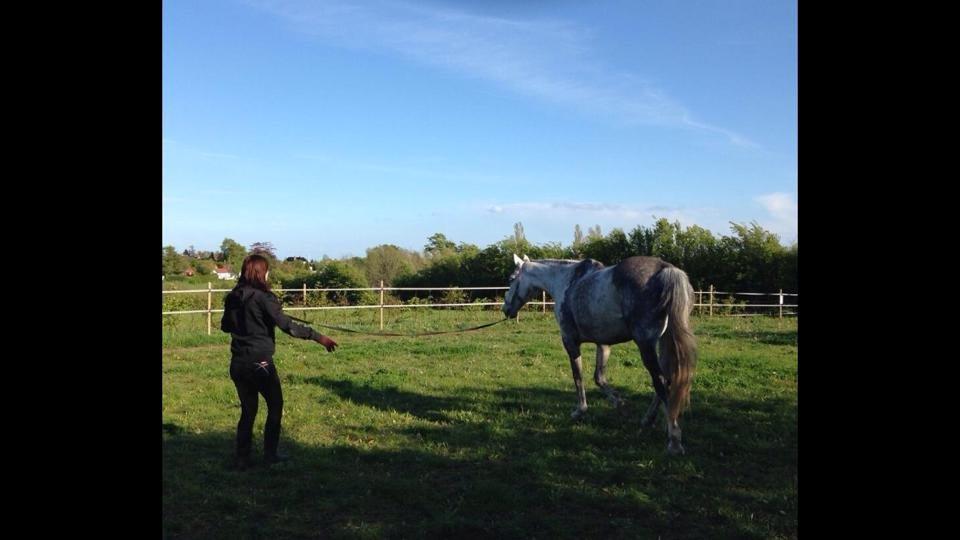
x,y
577,238
699,255
751,260
549,250
438,246
665,241
759,257
641,241
518,232
291,275
341,275
173,262
233,253
204,267
610,250
467,249
788,269
386,262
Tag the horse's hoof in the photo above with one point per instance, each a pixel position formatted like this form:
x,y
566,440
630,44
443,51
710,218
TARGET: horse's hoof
x,y
675,449
578,414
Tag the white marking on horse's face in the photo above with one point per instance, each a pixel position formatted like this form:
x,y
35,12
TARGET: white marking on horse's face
x,y
666,319
517,260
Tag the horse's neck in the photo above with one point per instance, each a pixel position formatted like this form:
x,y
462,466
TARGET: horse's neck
x,y
552,278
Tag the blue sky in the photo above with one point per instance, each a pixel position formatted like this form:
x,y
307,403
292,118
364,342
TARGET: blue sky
x,y
327,127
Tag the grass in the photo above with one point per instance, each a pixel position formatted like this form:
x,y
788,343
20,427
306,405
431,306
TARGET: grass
x,y
469,435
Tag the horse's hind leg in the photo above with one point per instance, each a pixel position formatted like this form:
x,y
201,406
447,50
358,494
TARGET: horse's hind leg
x,y
600,377
648,351
576,364
667,352
651,414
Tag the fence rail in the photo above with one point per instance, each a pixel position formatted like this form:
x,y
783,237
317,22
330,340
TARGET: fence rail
x,y
706,301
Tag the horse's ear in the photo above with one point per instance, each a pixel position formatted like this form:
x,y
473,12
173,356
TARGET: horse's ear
x,y
526,259
517,260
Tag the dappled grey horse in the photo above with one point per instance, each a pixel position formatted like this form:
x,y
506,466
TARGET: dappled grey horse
x,y
643,299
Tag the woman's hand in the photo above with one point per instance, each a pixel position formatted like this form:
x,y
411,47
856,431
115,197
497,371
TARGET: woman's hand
x,y
330,344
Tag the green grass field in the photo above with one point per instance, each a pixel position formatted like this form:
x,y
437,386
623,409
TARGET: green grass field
x,y
469,436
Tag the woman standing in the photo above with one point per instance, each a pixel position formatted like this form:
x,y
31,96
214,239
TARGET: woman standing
x,y
251,313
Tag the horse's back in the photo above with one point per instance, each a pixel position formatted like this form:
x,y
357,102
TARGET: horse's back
x,y
640,294
635,272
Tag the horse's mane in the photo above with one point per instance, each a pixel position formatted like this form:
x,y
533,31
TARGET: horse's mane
x,y
548,262
557,261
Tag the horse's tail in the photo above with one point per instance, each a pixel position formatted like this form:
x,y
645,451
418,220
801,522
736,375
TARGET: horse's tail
x,y
677,345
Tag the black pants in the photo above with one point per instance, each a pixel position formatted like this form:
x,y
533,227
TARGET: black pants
x,y
251,380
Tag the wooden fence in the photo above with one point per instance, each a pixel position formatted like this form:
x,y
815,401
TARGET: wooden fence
x,y
707,301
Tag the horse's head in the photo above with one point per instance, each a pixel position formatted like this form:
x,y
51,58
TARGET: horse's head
x,y
521,290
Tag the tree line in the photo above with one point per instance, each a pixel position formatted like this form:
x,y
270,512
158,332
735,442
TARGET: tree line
x,y
749,259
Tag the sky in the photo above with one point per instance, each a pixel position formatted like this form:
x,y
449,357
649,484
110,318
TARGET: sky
x,y
329,127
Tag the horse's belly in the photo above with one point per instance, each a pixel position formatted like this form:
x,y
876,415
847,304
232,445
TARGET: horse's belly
x,y
604,327
597,310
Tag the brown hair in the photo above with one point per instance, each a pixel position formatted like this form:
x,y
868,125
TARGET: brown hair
x,y
254,272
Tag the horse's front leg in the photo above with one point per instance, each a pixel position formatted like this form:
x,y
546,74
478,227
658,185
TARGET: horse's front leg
x,y
576,364
600,377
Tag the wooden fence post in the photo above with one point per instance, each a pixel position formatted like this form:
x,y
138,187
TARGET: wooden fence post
x,y
544,305
711,300
209,307
781,303
381,304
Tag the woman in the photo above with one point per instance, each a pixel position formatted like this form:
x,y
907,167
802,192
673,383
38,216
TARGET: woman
x,y
251,312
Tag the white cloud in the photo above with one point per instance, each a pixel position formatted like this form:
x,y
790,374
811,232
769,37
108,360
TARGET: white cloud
x,y
608,214
782,214
544,59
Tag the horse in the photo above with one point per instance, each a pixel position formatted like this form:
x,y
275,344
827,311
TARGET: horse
x,y
643,299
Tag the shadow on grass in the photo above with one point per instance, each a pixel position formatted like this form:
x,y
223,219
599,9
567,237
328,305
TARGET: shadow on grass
x,y
516,468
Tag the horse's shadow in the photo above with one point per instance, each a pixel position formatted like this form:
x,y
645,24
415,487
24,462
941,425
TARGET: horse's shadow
x,y
547,402
512,466
390,398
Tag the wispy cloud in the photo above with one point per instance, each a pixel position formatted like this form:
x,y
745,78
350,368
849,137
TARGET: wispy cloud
x,y
782,213
612,213
545,59
734,138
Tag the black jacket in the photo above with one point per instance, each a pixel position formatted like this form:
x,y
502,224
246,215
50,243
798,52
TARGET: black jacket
x,y
250,316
